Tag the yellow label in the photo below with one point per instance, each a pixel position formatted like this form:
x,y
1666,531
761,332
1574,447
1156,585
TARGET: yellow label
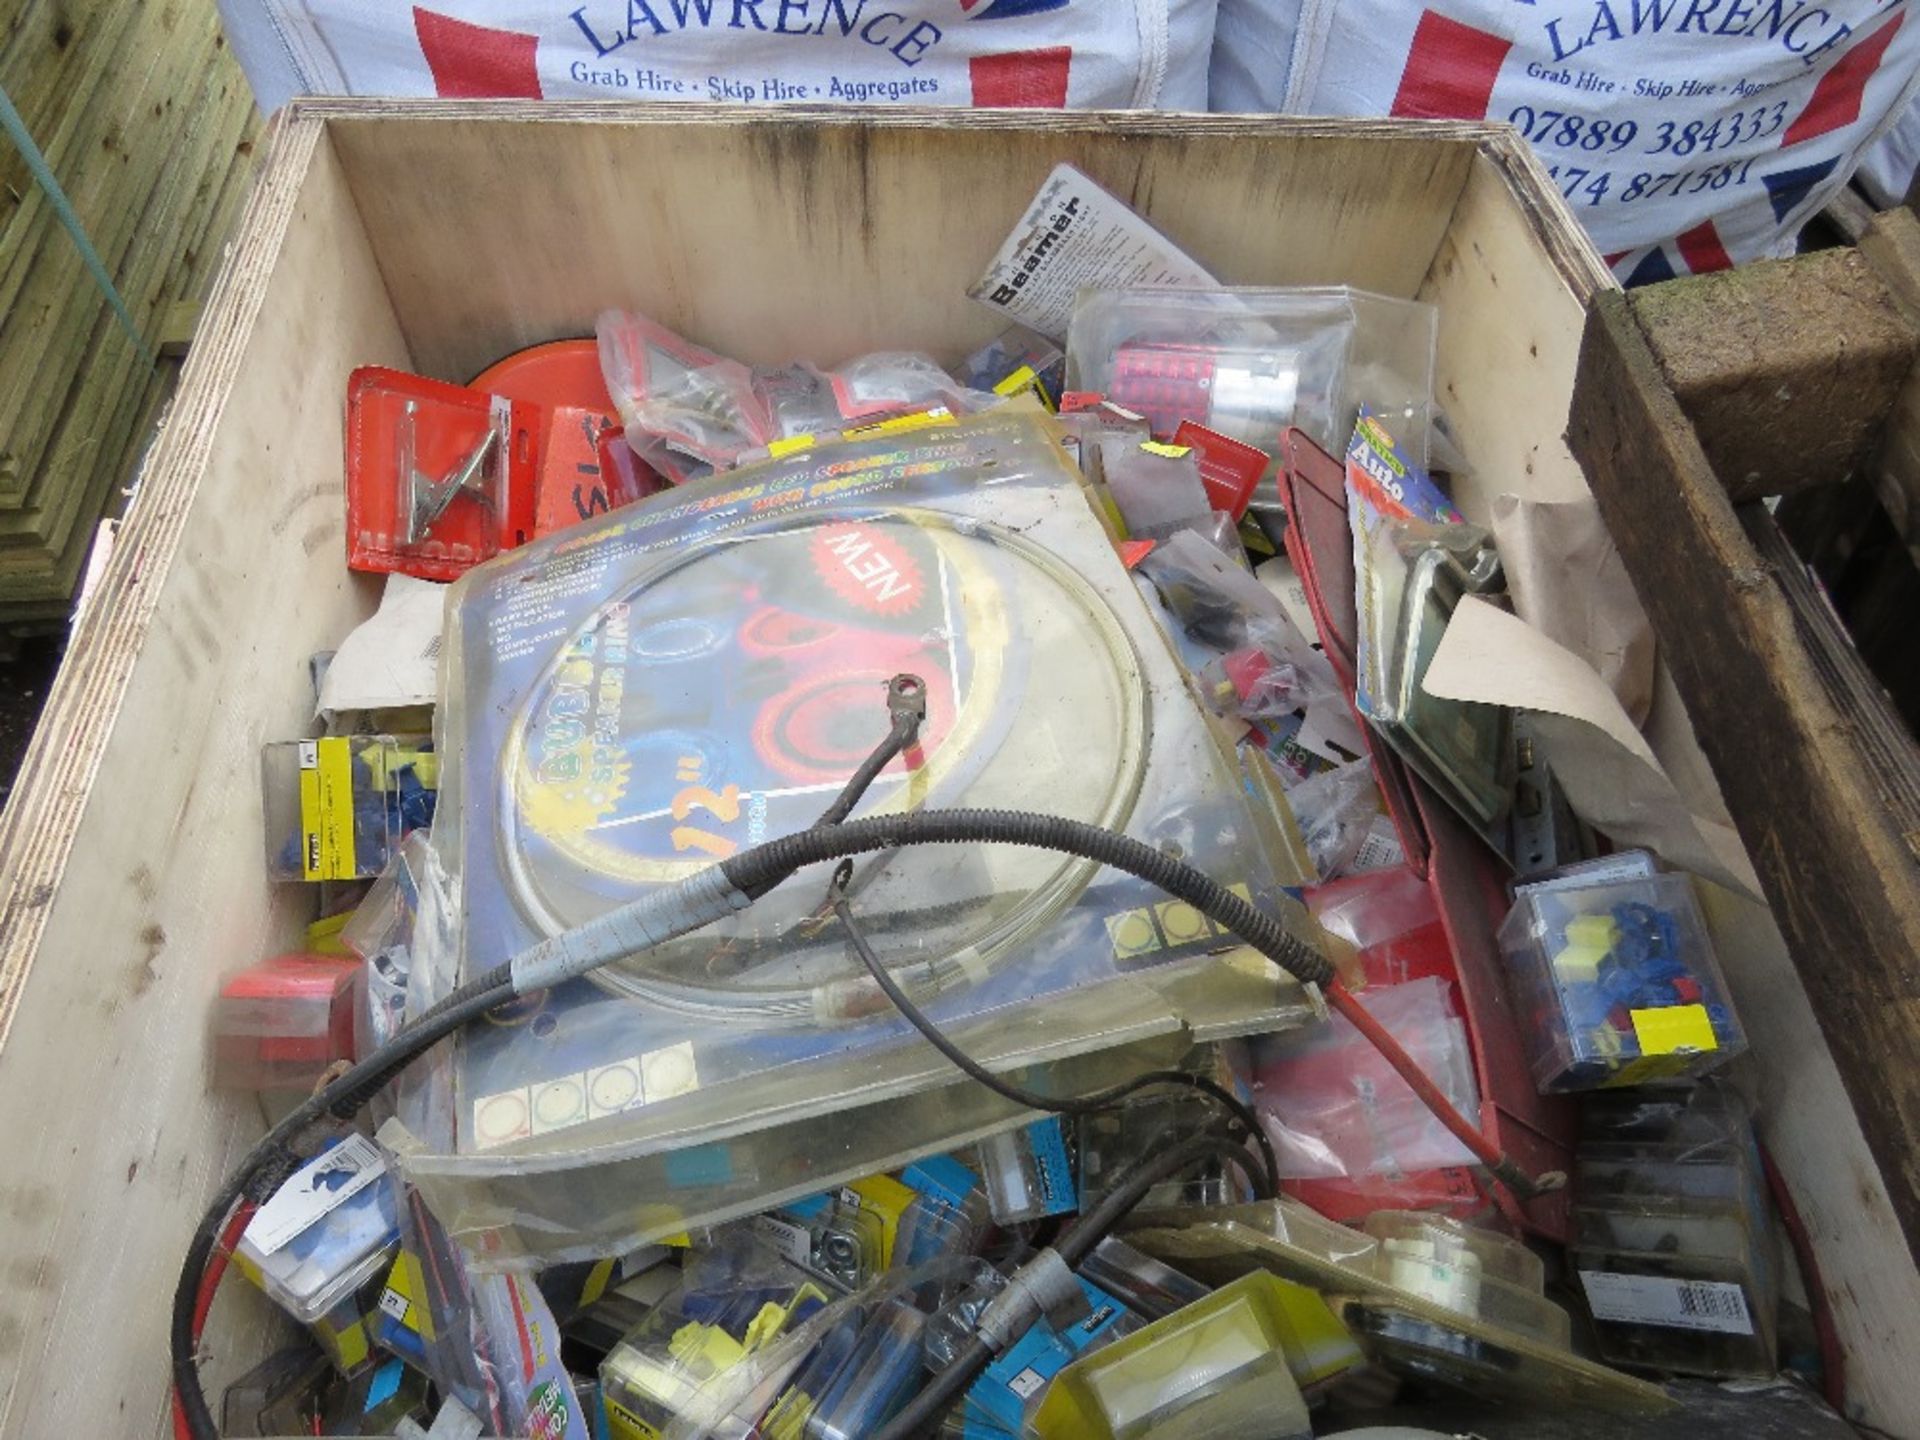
x,y
326,812
1674,1028
323,936
887,1198
1022,379
919,420
623,1424
407,1282
791,445
1170,452
598,1279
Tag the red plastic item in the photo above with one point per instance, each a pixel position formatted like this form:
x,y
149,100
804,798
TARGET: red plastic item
x,y
1229,468
439,477
586,466
279,1025
1466,880
558,374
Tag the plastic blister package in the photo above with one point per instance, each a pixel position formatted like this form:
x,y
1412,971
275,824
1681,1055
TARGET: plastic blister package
x,y
1148,1287
1406,1328
439,477
1029,1173
711,1342
337,807
664,686
1617,984
1414,560
1674,1239
1219,1369
327,1234
1472,1271
1334,1108
1248,362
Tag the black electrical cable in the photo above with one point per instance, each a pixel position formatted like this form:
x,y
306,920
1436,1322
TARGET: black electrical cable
x,y
923,1413
907,703
754,871
1081,1105
273,1158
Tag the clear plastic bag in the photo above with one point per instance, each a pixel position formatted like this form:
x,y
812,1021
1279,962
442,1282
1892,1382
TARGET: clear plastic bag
x,y
1157,487
677,398
617,717
1335,1109
893,382
1340,816
1248,362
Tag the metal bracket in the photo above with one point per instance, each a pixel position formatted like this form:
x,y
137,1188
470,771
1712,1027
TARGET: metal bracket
x,y
427,498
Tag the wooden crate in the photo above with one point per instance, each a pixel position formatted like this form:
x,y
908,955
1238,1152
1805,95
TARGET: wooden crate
x,y
438,235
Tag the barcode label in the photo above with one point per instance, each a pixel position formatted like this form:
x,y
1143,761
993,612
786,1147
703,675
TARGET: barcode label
x,y
1672,1304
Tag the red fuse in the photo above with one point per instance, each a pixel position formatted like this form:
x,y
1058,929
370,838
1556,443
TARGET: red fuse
x,y
1247,395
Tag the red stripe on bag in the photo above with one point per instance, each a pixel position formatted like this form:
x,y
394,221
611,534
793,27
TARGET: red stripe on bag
x,y
1835,101
473,62
1023,79
1700,247
1450,70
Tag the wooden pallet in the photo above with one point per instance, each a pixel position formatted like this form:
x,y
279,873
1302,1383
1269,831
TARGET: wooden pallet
x,y
147,122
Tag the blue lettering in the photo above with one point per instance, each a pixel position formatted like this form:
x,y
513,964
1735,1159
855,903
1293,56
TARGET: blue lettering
x,y
1737,15
1698,10
704,8
1603,17
1792,28
1841,32
750,6
922,38
600,48
788,7
866,30
839,8
1656,10
1560,50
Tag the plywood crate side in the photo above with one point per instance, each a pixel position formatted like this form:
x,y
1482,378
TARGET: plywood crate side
x,y
712,221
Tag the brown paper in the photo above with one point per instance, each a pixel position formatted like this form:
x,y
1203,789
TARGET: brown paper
x,y
1568,582
1609,772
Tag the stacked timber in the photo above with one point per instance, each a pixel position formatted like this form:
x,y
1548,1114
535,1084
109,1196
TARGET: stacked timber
x,y
147,124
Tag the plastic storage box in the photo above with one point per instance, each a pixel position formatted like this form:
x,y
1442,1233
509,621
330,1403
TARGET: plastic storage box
x,y
1673,1235
327,1234
1221,1366
279,1025
1617,985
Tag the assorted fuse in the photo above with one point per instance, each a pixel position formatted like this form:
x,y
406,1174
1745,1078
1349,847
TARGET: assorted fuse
x,y
1674,1236
338,806
1618,983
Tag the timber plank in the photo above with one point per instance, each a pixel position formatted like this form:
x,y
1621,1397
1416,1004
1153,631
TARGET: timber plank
x,y
1841,876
